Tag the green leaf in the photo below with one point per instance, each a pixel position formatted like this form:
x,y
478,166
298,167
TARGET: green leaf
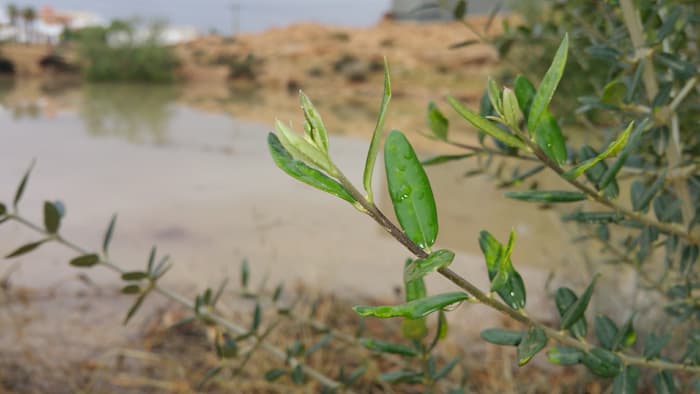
x,y
495,97
413,309
303,172
245,273
547,196
504,267
131,289
614,93
85,261
228,349
628,381
25,248
511,109
319,135
109,233
446,369
211,374
52,217
377,135
401,376
602,362
626,336
549,84
534,341
549,137
302,149
437,122
524,92
445,158
664,383
463,44
593,217
564,299
460,9
606,331
486,125
151,259
612,150
578,308
564,356
274,374
22,185
257,317
355,375
410,191
388,347
134,275
298,376
498,336
654,344
135,307
641,196
414,329
436,260
512,292
442,327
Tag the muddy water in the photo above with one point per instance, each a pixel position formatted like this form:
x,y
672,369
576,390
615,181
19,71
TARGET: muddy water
x,y
202,187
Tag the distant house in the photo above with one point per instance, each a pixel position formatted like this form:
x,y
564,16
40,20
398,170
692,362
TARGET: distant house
x,y
166,35
51,23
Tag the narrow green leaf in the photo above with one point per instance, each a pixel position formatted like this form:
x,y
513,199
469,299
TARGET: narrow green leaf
x,y
564,299
437,122
414,329
612,150
134,275
257,317
211,374
304,173
602,362
628,381
486,125
498,336
274,374
377,135
513,291
578,308
401,376
564,356
504,267
135,307
446,369
245,273
22,185
641,197
524,92
445,158
319,135
436,260
534,341
151,259
549,84
654,344
85,261
388,347
593,217
131,289
413,309
228,349
626,336
442,326
108,234
25,248
547,196
355,375
664,383
549,137
410,191
463,44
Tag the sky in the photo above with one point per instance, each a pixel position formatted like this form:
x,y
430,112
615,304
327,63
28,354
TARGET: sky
x,y
255,15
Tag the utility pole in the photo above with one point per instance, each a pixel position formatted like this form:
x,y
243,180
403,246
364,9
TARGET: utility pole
x,y
236,18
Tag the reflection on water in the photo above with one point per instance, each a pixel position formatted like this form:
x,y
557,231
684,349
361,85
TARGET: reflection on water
x,y
133,112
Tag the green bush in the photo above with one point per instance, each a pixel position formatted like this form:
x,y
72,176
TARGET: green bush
x,y
118,53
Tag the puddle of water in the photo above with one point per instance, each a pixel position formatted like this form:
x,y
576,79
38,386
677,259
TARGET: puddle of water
x,y
203,188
